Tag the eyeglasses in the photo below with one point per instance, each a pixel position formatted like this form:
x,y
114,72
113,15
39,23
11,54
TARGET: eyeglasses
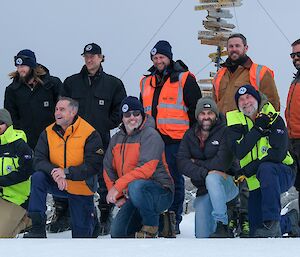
x,y
134,113
293,55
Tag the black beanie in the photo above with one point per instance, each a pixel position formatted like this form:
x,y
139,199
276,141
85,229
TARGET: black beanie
x,y
247,89
162,47
131,103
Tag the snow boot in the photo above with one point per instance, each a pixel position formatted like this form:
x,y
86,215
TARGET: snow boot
x,y
38,229
269,228
105,218
61,220
221,231
244,224
147,232
167,226
293,218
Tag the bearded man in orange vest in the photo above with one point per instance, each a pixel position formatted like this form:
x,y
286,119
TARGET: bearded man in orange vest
x,y
238,70
170,94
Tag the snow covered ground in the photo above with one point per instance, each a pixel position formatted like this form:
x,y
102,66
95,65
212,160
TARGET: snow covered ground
x,y
60,245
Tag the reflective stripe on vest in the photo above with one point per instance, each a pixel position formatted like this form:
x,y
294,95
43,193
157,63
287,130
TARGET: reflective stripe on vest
x,y
260,150
256,73
172,118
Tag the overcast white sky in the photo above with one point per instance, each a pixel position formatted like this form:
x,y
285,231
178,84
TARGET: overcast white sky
x,y
58,30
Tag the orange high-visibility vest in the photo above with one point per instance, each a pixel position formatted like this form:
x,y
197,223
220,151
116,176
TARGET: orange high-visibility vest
x,y
256,74
172,118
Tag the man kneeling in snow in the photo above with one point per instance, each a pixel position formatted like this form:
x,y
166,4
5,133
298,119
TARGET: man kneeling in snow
x,y
136,174
204,157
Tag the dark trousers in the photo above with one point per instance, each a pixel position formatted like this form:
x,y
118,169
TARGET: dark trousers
x,y
264,202
177,205
82,209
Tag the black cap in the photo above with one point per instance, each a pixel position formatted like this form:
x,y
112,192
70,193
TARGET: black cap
x,y
92,48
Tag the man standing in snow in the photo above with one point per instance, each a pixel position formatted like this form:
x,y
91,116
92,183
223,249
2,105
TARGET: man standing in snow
x,y
169,94
99,95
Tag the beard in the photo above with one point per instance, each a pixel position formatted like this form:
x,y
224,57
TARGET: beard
x,y
252,110
27,77
205,126
297,64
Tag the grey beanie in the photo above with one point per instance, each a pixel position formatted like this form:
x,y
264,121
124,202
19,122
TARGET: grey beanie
x,y
206,103
5,117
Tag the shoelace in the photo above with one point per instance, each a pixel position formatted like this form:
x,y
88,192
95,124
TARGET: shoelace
x,y
245,227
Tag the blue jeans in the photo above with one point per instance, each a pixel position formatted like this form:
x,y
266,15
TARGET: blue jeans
x,y
264,202
212,207
82,209
147,199
177,205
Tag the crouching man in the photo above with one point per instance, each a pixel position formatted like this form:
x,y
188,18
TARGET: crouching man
x,y
258,137
136,174
68,157
16,168
204,157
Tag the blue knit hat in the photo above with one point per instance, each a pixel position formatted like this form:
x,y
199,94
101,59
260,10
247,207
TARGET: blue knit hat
x,y
25,57
162,47
131,103
247,89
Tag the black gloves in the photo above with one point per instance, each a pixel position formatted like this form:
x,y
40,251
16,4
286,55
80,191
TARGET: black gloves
x,y
262,122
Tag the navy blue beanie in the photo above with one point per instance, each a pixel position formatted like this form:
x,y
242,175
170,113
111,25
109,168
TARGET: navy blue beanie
x,y
162,47
25,57
247,89
131,103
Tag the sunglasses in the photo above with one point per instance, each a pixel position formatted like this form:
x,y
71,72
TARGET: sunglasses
x,y
293,55
134,113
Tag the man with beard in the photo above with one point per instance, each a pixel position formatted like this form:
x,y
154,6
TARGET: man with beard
x,y
169,94
205,158
32,96
136,174
292,114
258,137
239,70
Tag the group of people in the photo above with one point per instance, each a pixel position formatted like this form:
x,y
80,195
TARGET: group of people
x,y
234,147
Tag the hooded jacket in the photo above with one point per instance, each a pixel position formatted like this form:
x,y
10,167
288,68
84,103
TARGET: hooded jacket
x,y
195,162
32,109
136,156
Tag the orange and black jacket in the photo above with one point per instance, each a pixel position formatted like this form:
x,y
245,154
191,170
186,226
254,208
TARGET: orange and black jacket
x,y
78,151
136,156
292,111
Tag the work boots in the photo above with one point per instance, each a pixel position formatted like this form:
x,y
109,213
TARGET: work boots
x,y
61,220
269,229
105,218
244,225
147,232
221,231
167,226
38,229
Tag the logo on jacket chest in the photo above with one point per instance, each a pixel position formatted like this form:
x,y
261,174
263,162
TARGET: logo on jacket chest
x,y
101,102
215,142
46,103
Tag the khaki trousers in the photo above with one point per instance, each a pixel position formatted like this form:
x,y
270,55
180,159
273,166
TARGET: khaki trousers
x,y
13,219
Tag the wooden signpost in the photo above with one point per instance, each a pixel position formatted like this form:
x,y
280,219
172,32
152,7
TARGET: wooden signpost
x,y
217,31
